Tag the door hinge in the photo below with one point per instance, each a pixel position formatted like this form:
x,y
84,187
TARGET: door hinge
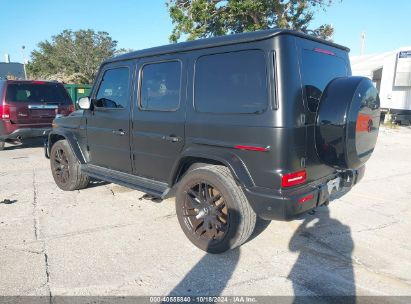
x,y
303,119
303,162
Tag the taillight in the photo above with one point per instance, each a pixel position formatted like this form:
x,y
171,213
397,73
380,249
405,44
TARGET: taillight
x,y
4,112
293,179
66,110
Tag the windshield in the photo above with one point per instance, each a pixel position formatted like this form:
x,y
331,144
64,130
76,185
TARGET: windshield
x,y
29,92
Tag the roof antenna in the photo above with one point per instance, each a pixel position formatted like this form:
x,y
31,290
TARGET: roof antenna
x,y
362,48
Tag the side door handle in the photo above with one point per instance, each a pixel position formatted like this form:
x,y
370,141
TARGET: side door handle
x,y
120,132
172,138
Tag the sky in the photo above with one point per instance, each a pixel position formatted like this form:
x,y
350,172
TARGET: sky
x,y
139,24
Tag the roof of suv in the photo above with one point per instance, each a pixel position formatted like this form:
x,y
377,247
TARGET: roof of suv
x,y
218,41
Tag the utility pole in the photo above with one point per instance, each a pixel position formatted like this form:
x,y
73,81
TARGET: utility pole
x,y
362,47
24,61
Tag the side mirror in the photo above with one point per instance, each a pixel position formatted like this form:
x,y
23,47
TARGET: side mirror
x,y
84,103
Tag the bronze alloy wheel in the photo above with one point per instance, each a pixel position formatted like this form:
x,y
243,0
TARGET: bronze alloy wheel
x,y
212,209
205,211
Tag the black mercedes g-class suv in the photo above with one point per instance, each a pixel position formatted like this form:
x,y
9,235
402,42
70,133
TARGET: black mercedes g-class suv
x,y
267,124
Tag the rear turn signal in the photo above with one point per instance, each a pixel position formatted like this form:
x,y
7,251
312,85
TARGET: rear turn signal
x,y
4,112
293,179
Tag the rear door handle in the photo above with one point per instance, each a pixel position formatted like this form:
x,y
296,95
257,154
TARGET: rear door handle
x,y
120,132
171,138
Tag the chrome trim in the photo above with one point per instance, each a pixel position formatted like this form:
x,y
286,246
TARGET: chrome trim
x,y
46,107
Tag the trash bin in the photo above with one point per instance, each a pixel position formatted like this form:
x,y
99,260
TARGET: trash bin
x,y
77,91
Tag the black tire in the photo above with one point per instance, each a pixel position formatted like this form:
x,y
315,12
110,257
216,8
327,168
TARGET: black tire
x,y
2,144
65,168
230,219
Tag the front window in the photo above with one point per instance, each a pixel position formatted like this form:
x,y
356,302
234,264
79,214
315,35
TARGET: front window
x,y
113,92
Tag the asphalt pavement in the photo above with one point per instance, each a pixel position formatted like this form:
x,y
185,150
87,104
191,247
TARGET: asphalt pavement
x,y
108,240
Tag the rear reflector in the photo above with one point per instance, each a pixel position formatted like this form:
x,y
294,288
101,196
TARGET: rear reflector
x,y
324,51
252,148
306,198
4,112
38,82
293,179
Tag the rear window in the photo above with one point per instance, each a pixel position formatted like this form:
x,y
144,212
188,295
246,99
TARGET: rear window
x,y
233,82
318,69
160,86
29,92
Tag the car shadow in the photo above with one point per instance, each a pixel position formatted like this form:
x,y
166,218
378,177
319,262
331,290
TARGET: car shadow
x,y
211,274
324,267
28,143
260,226
96,183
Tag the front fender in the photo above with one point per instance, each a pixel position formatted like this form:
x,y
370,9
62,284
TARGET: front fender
x,y
58,134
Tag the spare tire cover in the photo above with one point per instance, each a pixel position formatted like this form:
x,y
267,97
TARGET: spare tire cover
x,y
347,122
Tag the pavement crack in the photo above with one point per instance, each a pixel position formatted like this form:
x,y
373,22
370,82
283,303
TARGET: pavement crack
x,y
35,217
380,227
89,231
46,261
36,224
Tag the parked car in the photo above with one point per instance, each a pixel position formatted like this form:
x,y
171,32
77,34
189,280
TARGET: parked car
x,y
27,108
267,124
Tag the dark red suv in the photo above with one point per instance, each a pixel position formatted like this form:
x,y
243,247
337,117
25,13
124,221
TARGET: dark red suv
x,y
27,108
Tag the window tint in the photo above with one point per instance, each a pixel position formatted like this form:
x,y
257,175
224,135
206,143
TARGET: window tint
x,y
28,92
231,83
114,89
160,86
318,70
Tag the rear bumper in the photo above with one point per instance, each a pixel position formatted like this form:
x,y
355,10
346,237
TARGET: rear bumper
x,y
12,132
286,205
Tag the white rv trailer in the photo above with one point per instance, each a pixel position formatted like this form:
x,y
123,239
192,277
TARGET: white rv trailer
x,y
391,73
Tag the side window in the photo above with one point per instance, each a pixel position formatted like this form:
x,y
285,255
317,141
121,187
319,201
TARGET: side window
x,y
233,82
114,89
160,86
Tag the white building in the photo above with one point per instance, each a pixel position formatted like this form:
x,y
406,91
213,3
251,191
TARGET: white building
x,y
391,73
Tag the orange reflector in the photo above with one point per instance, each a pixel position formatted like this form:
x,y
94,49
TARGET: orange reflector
x,y
306,198
293,179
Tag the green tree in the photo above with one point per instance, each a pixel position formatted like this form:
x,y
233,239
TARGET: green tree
x,y
194,19
71,56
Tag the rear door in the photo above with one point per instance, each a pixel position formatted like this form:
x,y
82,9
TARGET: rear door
x,y
159,116
36,103
319,64
108,124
